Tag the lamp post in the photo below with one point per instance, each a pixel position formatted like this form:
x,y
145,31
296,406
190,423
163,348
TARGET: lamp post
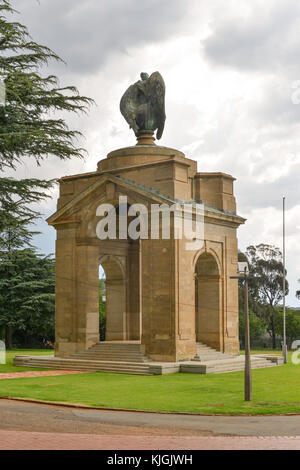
x,y
284,346
248,371
243,273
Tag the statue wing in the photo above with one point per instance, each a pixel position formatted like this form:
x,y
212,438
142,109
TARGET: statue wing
x,y
156,93
128,107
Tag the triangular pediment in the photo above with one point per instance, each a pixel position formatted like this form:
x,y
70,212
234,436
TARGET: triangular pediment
x,y
126,187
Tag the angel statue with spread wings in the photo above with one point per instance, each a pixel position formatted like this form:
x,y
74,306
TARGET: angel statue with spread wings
x,y
143,104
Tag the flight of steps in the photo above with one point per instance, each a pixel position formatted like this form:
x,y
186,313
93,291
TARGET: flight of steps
x,y
113,351
206,353
122,358
212,361
126,358
238,363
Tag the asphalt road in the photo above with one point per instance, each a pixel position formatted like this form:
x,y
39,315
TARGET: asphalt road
x,y
22,416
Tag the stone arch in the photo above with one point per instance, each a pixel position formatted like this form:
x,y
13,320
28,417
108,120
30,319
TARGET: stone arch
x,y
208,292
210,251
116,318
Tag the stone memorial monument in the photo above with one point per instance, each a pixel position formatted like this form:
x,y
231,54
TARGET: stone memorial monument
x,y
170,301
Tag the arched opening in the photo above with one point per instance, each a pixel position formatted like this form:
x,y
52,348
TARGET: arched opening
x,y
120,261
207,301
116,327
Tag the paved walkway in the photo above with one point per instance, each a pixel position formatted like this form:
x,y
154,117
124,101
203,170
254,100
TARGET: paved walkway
x,y
39,373
12,440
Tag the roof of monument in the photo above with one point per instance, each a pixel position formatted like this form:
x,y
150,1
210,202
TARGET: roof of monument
x,y
174,200
153,194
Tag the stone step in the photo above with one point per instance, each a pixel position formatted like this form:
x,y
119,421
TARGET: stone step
x,y
109,358
237,363
236,366
84,367
220,370
100,369
92,366
206,348
241,365
206,353
212,356
118,352
100,354
109,353
121,347
232,359
97,351
110,348
112,353
80,363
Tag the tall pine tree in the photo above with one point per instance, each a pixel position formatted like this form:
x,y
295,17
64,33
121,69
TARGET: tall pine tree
x,y
27,282
29,127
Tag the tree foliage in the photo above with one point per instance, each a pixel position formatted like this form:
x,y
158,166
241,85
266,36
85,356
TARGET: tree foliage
x,y
266,265
265,284
26,293
27,129
292,326
257,327
26,284
30,126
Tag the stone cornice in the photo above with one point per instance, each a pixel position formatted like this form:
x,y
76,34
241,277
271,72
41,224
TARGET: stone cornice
x,y
212,215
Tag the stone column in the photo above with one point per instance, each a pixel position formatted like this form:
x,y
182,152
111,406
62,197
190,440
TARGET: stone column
x,y
133,292
158,299
65,290
87,296
116,321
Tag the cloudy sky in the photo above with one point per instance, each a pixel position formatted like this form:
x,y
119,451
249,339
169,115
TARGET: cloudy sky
x,y
232,71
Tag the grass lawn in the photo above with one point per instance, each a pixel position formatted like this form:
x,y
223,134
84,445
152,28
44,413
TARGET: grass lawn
x,y
275,352
275,391
9,367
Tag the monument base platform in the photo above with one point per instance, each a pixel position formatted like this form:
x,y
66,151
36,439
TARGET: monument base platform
x,y
127,358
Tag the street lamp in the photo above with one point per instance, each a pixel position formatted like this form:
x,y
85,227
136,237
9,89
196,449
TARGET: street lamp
x,y
243,273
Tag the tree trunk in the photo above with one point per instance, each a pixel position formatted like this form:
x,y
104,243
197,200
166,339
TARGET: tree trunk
x,y
2,333
8,337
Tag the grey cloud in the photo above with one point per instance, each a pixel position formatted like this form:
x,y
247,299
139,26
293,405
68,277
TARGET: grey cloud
x,y
277,105
267,40
86,33
251,195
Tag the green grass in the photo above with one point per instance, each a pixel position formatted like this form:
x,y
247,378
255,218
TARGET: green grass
x,y
9,367
275,391
276,352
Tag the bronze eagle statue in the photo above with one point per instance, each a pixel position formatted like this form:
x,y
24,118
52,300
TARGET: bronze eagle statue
x,y
143,104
